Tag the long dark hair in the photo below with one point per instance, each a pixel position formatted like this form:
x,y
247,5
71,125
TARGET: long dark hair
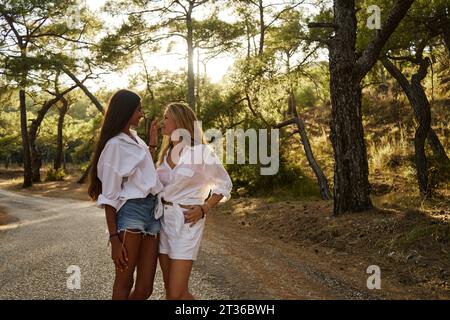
x,y
120,109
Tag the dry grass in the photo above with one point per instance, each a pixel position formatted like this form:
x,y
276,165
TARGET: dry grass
x,y
389,126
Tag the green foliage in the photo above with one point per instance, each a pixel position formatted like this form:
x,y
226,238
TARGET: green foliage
x,y
306,96
10,138
418,24
289,35
55,175
290,181
213,33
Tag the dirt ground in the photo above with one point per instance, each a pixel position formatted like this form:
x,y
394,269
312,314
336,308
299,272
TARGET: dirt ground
x,y
3,217
411,247
12,180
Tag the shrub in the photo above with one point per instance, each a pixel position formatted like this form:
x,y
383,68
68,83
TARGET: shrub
x,y
290,181
55,175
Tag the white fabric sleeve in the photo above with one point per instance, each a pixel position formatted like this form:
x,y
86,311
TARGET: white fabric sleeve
x,y
220,182
111,185
114,164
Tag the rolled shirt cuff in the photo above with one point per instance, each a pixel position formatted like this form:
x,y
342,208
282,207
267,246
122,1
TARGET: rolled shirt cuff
x,y
102,200
225,193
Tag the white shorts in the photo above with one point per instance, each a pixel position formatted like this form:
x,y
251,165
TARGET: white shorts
x,y
183,244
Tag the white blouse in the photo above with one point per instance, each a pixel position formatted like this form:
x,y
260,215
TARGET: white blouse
x,y
126,170
198,172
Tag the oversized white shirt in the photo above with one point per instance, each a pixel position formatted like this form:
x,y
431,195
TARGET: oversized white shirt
x,y
198,172
126,170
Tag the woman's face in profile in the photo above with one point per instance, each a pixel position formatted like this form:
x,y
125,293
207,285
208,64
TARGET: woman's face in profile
x,y
168,124
136,117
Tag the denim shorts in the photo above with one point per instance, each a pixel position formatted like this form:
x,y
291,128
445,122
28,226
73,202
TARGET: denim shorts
x,y
139,215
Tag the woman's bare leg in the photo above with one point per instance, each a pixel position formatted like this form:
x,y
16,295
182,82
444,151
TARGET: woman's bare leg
x,y
180,271
164,262
146,268
124,280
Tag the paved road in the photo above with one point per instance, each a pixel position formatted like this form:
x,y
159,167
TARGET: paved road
x,y
53,234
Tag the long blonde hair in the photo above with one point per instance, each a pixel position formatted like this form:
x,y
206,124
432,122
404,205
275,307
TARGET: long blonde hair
x,y
184,118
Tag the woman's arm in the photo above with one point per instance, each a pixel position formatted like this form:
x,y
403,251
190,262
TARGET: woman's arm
x,y
118,252
212,201
153,140
110,213
196,213
221,186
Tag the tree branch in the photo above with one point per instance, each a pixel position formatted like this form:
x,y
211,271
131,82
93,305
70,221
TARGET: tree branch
x,y
40,25
396,73
402,58
55,35
11,24
199,3
373,49
256,114
82,87
322,25
280,13
285,123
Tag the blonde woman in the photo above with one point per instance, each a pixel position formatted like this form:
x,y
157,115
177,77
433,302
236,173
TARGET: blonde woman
x,y
194,181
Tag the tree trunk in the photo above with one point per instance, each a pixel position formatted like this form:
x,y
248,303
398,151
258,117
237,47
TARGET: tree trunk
x,y
321,178
36,157
205,93
446,29
262,28
437,147
59,145
197,94
351,184
249,45
419,102
64,160
422,111
190,72
27,172
422,131
36,160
